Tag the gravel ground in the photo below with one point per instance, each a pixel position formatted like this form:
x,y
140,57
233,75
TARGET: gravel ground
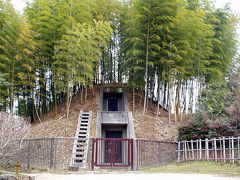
x,y
132,176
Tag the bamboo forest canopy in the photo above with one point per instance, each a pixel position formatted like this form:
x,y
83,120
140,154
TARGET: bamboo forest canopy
x,y
58,47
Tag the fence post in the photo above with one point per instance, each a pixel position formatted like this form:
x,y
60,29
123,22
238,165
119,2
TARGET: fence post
x,y
197,150
221,154
224,150
215,149
92,154
207,149
28,155
51,152
233,155
179,148
200,148
238,148
55,154
132,154
185,150
229,148
137,155
193,155
89,154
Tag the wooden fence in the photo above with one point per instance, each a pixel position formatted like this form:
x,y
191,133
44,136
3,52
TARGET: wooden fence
x,y
225,149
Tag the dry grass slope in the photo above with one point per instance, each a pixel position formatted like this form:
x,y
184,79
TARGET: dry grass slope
x,y
61,127
146,126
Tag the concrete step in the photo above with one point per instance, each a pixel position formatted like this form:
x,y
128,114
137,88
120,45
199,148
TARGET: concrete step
x,y
82,132
84,124
79,158
85,114
78,162
82,136
80,148
84,121
79,154
84,117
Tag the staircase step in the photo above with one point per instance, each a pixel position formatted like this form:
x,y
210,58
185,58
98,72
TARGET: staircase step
x,y
82,136
84,121
83,125
82,132
80,148
85,114
78,161
79,154
79,158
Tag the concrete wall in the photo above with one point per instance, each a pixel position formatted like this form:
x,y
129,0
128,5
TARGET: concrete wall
x,y
114,117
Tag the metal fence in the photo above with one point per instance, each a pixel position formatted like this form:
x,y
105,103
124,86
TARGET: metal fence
x,y
155,153
45,152
225,149
110,152
56,153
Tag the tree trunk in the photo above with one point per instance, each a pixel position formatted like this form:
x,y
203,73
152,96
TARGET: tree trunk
x,y
34,107
86,91
146,66
158,102
12,89
56,106
81,93
133,98
169,100
67,105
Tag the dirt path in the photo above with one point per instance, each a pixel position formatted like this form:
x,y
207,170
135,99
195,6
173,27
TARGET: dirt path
x,y
133,176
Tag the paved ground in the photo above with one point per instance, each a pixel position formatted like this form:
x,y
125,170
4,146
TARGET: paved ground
x,y
132,176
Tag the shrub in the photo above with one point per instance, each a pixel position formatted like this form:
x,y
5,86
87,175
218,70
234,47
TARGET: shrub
x,y
201,126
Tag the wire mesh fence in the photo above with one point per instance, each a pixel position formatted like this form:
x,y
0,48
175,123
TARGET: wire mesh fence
x,y
155,153
56,153
226,149
45,152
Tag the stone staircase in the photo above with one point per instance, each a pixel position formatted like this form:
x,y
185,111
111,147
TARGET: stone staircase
x,y
80,147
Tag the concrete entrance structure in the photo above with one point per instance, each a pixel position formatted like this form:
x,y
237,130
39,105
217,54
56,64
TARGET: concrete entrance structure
x,y
113,114
114,121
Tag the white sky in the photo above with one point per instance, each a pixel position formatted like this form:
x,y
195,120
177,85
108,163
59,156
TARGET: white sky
x,y
20,4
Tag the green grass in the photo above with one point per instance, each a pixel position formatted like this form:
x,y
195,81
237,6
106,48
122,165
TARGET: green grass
x,y
197,167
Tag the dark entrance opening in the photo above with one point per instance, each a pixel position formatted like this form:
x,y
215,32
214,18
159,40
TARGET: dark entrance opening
x,y
112,104
117,146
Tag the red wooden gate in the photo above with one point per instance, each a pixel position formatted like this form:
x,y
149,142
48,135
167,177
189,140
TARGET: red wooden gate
x,y
111,152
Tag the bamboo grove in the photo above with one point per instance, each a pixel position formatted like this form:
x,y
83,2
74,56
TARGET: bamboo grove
x,y
157,47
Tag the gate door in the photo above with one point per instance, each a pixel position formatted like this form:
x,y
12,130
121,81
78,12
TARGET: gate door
x,y
112,152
